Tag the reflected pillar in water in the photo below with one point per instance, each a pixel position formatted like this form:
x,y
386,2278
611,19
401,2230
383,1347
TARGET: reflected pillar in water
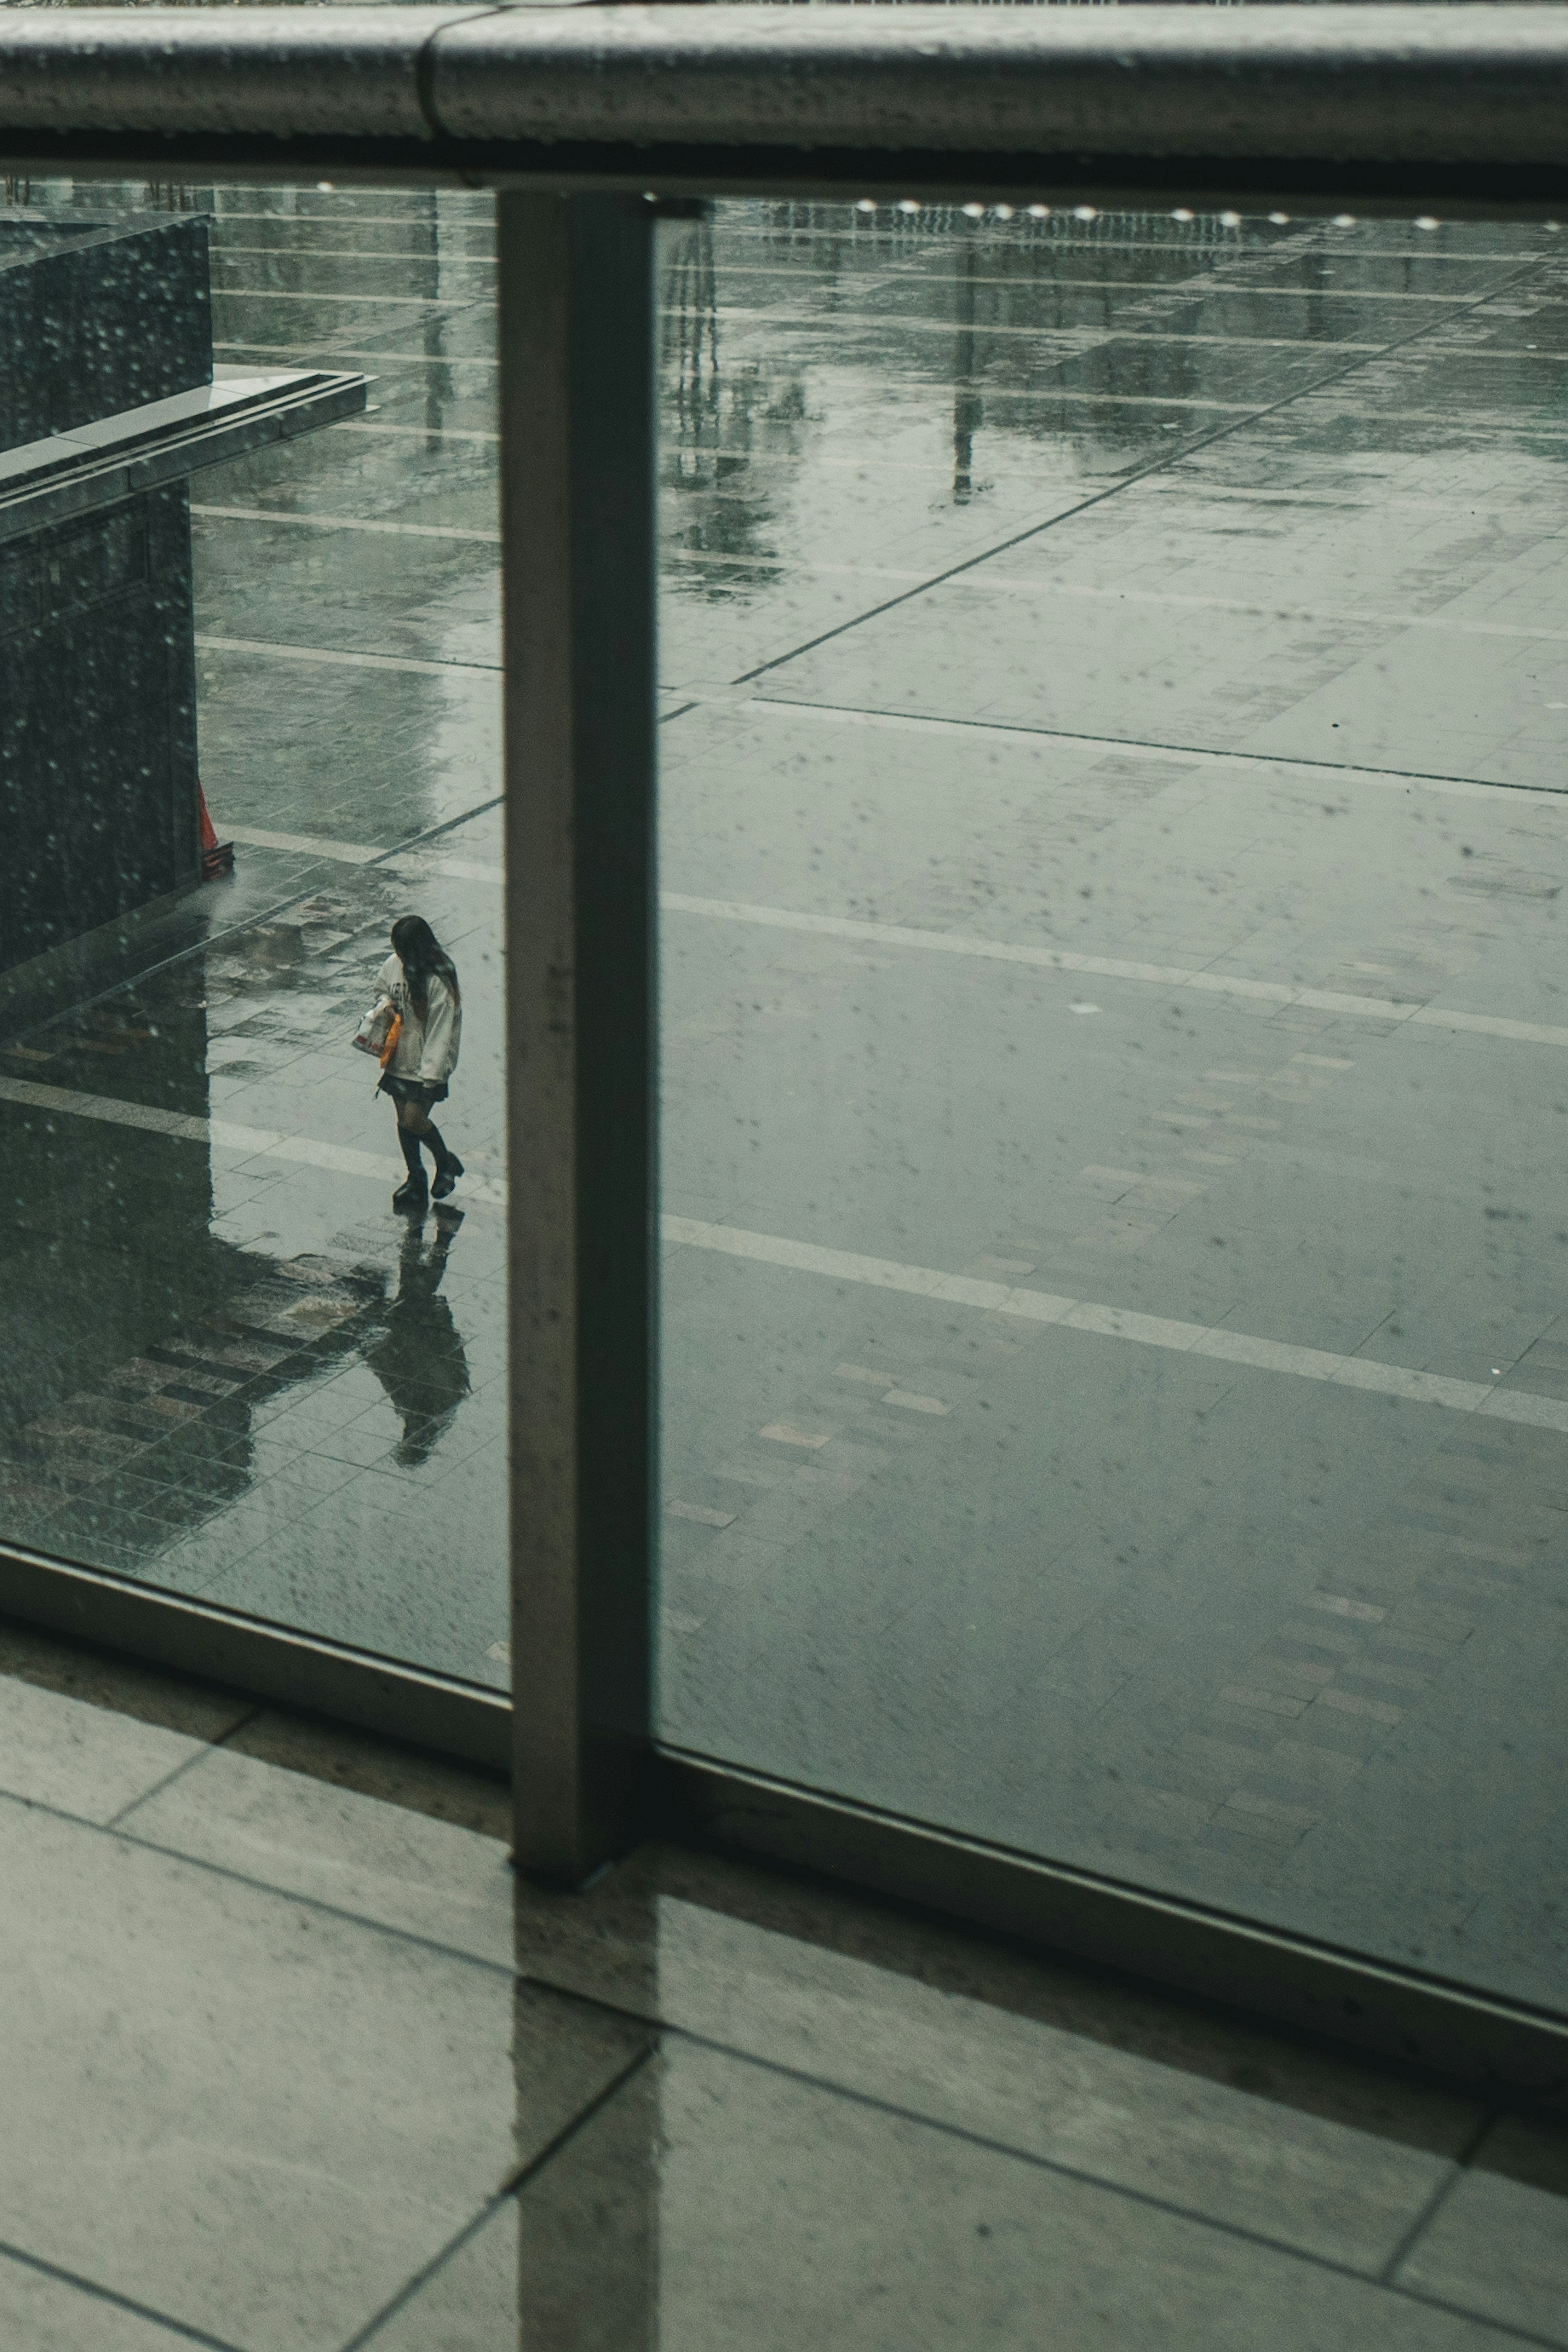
x,y
968,408
587,2231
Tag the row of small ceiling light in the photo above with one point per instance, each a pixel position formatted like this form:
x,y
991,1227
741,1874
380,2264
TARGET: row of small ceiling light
x,y
1092,212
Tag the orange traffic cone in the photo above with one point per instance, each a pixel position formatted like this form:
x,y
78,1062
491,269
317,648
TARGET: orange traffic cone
x,y
217,856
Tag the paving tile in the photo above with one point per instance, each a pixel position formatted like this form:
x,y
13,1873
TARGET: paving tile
x,y
85,1761
1315,2154
714,2203
248,2114
470,2304
339,1754
305,1836
40,2314
124,1685
1500,2242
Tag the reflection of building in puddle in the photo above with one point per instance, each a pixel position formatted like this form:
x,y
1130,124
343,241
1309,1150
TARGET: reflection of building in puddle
x,y
718,429
418,1356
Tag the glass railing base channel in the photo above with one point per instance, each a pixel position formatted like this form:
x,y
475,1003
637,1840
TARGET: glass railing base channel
x,y
299,1671
1435,2029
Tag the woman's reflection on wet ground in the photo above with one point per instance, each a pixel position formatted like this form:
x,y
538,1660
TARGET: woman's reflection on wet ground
x,y
419,1357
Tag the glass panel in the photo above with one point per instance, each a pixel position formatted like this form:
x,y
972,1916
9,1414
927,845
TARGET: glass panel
x,y
1117,1294
233,1369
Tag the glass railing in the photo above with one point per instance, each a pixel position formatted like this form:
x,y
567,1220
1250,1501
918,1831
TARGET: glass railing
x,y
1112,1377
235,1371
1115,1357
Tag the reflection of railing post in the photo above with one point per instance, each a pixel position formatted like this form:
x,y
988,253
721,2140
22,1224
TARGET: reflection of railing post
x,y
576,320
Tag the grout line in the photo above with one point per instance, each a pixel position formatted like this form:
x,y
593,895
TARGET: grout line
x,y
1162,463
536,2163
261,1885
518,2181
331,656
1406,2244
402,301
185,1764
1202,755
345,523
303,252
422,2278
165,2319
1146,2198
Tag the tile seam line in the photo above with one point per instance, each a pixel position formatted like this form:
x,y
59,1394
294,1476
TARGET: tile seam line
x,y
99,2294
186,1764
1118,742
344,656
261,915
1156,465
1411,2238
317,1903
516,2181
1149,2199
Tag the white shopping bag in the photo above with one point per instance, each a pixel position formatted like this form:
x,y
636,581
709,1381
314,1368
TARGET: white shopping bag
x,y
370,1037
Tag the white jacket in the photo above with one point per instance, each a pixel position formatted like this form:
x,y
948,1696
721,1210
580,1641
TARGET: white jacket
x,y
428,1048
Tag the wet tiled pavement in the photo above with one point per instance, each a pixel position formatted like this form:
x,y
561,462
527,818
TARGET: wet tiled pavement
x,y
246,1377
1113,1040
1115,1385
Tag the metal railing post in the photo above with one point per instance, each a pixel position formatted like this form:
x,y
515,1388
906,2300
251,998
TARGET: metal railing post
x,y
577,495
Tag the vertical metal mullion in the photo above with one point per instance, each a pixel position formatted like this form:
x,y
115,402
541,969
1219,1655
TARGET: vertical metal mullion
x,y
577,496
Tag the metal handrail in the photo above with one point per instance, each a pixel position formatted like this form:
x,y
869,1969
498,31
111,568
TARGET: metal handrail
x,y
1470,98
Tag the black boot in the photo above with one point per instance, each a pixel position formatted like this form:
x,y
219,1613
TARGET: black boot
x,y
448,1166
411,1195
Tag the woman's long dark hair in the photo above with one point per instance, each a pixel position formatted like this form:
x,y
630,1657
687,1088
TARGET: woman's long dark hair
x,y
420,953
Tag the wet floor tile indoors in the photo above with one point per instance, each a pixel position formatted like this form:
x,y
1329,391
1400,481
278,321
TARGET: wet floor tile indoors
x,y
295,2065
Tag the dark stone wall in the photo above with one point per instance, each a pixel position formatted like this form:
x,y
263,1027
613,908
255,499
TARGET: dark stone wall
x,y
98,721
95,318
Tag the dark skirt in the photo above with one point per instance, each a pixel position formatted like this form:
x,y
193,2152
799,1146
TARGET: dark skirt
x,y
424,1091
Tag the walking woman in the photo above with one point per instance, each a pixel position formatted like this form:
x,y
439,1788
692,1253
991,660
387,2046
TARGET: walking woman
x,y
419,984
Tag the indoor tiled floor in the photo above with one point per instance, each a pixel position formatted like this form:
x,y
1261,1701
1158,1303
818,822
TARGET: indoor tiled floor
x,y
294,2064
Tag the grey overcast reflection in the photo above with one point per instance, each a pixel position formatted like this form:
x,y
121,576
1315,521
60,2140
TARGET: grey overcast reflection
x,y
1114,1052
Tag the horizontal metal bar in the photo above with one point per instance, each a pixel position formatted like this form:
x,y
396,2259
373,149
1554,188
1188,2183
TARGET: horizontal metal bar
x,y
301,1671
1467,102
1516,2051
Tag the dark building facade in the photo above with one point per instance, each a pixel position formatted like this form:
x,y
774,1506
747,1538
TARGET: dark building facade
x,y
109,400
